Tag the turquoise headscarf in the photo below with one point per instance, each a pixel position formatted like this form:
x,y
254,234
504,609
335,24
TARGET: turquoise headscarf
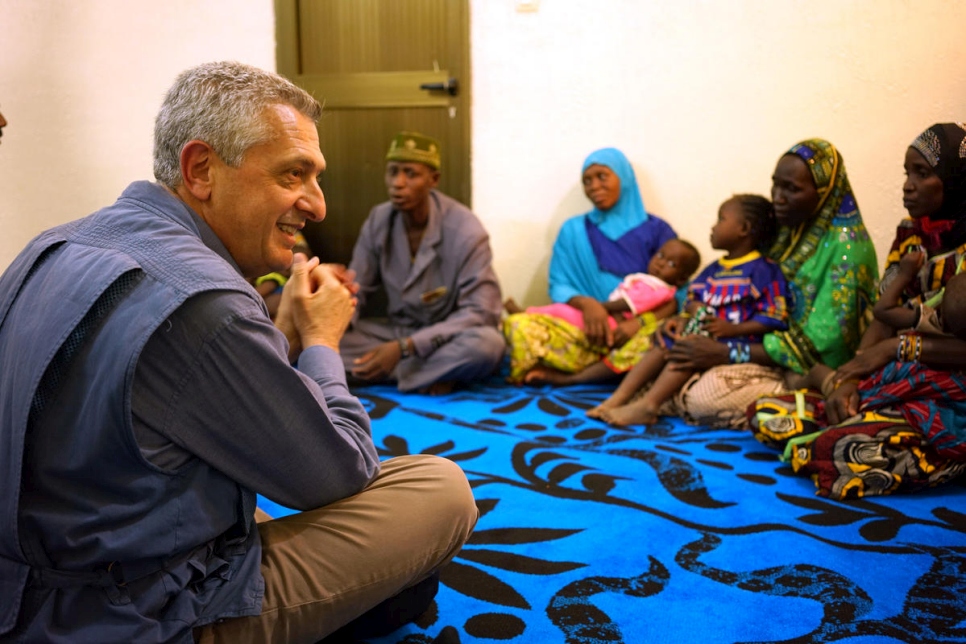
x,y
574,269
628,212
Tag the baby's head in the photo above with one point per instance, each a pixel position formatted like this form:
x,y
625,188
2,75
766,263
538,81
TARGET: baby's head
x,y
953,306
675,262
745,216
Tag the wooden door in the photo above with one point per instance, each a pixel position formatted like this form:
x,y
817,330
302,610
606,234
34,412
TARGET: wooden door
x,y
379,67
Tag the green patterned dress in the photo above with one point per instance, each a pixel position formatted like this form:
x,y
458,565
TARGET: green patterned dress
x,y
830,264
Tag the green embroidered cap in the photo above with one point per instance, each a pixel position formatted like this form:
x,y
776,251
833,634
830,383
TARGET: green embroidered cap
x,y
413,146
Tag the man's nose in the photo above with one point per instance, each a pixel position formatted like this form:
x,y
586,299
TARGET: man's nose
x,y
312,201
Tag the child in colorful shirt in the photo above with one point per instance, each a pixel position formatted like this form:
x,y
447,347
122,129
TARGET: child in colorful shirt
x,y
736,300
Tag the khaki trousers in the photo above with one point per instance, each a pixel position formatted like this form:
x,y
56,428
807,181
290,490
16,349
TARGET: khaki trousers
x,y
323,568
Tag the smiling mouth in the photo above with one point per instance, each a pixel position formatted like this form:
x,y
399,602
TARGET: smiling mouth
x,y
289,229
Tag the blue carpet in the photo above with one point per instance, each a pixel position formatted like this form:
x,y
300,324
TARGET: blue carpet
x,y
676,533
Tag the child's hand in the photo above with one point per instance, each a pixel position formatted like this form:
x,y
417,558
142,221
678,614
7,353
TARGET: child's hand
x,y
910,264
718,328
673,326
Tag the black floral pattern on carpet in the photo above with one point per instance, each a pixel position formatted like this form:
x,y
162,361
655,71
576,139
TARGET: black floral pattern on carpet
x,y
672,533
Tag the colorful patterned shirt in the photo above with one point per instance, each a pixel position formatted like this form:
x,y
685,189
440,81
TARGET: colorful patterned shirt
x,y
749,288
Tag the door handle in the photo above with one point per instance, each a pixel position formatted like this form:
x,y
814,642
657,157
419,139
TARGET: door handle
x,y
451,86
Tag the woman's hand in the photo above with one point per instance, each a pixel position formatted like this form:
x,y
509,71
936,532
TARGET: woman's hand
x,y
867,361
843,402
697,353
673,327
596,327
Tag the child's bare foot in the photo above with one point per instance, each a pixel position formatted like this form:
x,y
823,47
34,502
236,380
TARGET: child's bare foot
x,y
633,414
510,306
541,375
598,411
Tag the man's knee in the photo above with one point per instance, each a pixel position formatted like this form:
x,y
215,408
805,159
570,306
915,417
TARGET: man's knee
x,y
444,486
485,343
492,344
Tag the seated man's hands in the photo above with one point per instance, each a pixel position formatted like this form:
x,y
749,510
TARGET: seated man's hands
x,y
318,303
377,364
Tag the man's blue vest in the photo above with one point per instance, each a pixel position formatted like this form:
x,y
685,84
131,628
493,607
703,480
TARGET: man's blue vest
x,y
96,543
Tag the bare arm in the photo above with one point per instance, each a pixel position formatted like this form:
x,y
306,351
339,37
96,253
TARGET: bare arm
x,y
943,353
626,329
719,328
889,309
698,353
616,306
596,327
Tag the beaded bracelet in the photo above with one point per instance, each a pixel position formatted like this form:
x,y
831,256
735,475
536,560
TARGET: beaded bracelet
x,y
740,352
909,348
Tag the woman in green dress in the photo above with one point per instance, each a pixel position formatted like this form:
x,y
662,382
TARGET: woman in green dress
x,y
829,261
897,411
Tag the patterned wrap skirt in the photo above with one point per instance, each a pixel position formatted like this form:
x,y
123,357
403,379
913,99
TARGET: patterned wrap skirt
x,y
539,339
909,434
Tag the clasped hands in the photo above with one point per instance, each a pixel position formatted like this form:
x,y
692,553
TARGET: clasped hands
x,y
317,304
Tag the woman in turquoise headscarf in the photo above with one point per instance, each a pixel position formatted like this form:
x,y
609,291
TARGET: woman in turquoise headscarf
x,y
592,254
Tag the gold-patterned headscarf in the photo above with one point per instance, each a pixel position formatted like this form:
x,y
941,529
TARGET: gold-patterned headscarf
x,y
795,245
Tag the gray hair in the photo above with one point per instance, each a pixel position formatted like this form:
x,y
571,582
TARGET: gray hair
x,y
221,104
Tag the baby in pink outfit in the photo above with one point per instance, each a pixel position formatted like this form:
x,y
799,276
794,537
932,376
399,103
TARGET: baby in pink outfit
x,y
669,269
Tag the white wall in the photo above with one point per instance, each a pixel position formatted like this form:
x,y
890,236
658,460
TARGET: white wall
x,y
80,84
702,96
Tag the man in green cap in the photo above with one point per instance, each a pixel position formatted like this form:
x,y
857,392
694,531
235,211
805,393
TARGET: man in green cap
x,y
432,258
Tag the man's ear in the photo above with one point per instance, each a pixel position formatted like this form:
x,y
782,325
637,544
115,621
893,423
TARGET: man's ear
x,y
197,159
435,178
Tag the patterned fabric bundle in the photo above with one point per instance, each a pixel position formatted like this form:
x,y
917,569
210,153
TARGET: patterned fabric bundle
x,y
874,453
934,401
775,420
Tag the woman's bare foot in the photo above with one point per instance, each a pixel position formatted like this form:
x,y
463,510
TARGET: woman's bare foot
x,y
541,375
635,413
510,306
